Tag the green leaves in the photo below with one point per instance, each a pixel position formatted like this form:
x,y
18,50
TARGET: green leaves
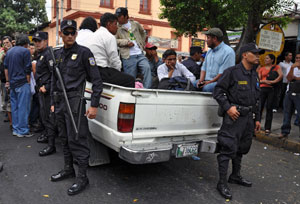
x,y
21,15
191,16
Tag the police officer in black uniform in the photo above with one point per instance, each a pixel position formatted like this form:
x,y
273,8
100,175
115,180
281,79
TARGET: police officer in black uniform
x,y
44,68
237,93
76,64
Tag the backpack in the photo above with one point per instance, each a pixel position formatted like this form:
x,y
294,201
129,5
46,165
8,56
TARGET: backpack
x,y
176,83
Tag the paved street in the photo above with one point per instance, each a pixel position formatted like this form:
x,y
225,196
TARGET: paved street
x,y
25,178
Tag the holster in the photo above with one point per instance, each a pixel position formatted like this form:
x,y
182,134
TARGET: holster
x,y
221,111
244,110
57,96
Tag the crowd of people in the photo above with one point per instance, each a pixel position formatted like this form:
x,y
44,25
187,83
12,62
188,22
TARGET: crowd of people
x,y
42,91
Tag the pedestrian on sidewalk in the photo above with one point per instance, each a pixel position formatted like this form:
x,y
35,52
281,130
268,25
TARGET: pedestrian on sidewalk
x,y
238,94
285,65
267,85
292,97
17,66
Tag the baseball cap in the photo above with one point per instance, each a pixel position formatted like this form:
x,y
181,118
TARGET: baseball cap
x,y
68,24
251,47
121,11
150,46
214,31
40,36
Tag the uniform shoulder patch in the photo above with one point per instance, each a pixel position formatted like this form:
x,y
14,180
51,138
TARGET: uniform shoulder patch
x,y
92,61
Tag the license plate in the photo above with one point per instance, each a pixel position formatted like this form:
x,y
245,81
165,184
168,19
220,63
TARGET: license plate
x,y
185,150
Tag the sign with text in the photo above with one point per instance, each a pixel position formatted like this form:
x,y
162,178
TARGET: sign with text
x,y
198,43
270,40
163,43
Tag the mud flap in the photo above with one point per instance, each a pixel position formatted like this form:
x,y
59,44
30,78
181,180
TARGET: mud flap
x,y
98,152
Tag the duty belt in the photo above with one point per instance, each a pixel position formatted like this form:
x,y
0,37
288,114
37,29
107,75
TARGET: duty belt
x,y
57,95
244,110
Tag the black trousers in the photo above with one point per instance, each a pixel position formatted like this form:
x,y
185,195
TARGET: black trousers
x,y
235,139
72,148
47,118
267,95
113,76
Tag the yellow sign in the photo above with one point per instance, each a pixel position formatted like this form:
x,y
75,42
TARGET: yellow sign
x,y
30,38
198,43
271,39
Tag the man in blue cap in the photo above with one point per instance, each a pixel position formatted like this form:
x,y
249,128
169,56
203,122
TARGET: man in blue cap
x,y
44,69
76,64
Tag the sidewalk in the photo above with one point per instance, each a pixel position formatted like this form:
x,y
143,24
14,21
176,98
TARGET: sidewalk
x,y
292,143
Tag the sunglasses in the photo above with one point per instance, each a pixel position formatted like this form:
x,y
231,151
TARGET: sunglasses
x,y
65,32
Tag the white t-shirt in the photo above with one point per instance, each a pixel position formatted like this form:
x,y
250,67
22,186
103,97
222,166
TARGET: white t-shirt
x,y
284,67
103,45
135,50
296,74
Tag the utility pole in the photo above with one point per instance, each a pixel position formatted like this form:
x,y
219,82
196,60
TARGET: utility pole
x,y
125,3
57,18
61,13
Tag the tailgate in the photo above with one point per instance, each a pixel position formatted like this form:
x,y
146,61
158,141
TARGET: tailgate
x,y
175,113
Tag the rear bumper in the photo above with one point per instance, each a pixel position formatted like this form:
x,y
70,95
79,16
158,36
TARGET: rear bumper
x,y
154,153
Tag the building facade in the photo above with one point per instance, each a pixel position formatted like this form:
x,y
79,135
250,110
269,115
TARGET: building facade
x,y
146,12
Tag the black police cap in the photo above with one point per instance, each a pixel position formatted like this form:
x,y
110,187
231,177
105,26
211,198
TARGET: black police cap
x,y
121,11
251,47
40,36
68,24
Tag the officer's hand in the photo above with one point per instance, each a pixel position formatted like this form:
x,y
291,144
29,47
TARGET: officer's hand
x,y
233,113
91,112
257,126
52,109
43,89
130,44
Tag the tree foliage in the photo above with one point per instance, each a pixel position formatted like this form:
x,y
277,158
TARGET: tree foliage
x,y
191,16
21,15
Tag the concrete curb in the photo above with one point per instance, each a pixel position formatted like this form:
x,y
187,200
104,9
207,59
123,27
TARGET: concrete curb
x,y
273,139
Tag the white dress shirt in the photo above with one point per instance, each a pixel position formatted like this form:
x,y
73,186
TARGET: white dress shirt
x,y
285,67
83,35
296,74
103,45
180,70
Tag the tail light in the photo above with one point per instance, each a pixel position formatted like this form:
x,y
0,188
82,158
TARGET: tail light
x,y
126,117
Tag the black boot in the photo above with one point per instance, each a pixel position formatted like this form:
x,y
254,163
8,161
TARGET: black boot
x,y
79,185
81,181
223,188
47,151
42,138
63,174
67,172
236,177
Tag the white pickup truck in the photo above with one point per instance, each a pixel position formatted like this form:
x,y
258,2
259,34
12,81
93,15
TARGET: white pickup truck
x,y
151,125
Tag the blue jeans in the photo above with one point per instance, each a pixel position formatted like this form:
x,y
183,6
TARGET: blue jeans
x,y
290,103
20,108
135,63
207,88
